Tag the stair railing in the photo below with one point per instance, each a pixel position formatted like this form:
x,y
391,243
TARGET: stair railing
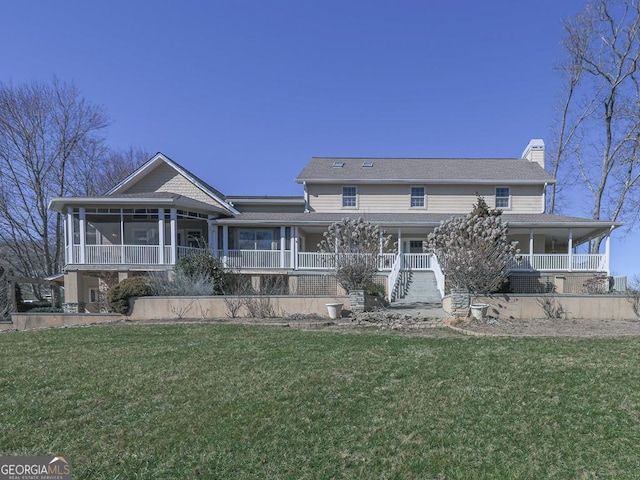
x,y
435,266
393,278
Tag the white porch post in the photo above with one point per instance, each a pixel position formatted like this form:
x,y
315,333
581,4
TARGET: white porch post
x,y
122,256
399,240
213,237
607,251
83,234
174,235
69,237
570,248
283,247
65,235
225,244
292,247
161,238
296,246
531,249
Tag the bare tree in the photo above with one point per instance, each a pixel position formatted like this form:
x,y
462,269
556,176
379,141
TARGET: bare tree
x,y
45,131
572,112
599,134
118,164
100,168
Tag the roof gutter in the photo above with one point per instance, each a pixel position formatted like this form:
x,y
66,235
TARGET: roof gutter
x,y
428,181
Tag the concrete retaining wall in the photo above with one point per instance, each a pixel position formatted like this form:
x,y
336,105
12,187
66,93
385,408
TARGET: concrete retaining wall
x,y
173,308
169,308
28,321
598,307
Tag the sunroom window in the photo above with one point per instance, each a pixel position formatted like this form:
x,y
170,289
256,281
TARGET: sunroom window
x,y
255,239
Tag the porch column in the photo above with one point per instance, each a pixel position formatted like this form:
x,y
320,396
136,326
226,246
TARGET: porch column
x,y
213,237
161,235
607,251
122,242
173,216
74,291
570,249
225,244
531,249
399,240
292,247
296,246
83,234
283,247
69,236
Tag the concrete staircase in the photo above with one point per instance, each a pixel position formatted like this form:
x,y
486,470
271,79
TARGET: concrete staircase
x,y
417,287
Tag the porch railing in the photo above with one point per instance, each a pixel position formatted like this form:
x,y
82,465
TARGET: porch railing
x,y
275,259
315,261
579,262
255,259
118,255
417,261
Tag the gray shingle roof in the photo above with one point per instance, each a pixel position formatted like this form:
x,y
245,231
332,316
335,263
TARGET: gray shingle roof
x,y
157,199
402,219
424,170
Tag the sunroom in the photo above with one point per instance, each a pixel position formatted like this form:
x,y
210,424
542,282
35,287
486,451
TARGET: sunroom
x,y
133,232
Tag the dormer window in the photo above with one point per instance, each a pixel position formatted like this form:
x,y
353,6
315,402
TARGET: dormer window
x,y
418,197
349,197
503,197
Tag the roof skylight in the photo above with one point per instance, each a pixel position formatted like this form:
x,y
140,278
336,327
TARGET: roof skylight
x,y
337,165
367,164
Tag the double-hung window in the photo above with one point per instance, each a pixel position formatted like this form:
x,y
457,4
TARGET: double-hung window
x,y
349,197
417,197
503,197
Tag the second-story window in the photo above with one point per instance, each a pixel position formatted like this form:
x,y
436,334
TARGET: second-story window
x,y
349,197
503,197
417,197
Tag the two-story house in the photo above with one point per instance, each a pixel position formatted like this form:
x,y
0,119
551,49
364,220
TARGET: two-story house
x,y
161,211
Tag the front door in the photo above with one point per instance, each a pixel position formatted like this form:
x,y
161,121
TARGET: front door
x,y
412,246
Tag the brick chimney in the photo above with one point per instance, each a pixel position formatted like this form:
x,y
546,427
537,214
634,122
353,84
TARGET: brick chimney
x,y
534,152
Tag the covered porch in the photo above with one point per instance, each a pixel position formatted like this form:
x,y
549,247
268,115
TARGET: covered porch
x,y
159,235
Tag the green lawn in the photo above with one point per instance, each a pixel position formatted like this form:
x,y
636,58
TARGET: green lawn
x,y
221,401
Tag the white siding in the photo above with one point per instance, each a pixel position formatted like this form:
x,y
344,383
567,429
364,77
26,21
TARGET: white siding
x,y
440,198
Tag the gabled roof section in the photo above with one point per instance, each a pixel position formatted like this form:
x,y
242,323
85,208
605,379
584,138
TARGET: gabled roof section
x,y
143,181
424,170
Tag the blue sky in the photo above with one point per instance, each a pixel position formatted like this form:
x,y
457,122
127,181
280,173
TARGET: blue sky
x,y
243,93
